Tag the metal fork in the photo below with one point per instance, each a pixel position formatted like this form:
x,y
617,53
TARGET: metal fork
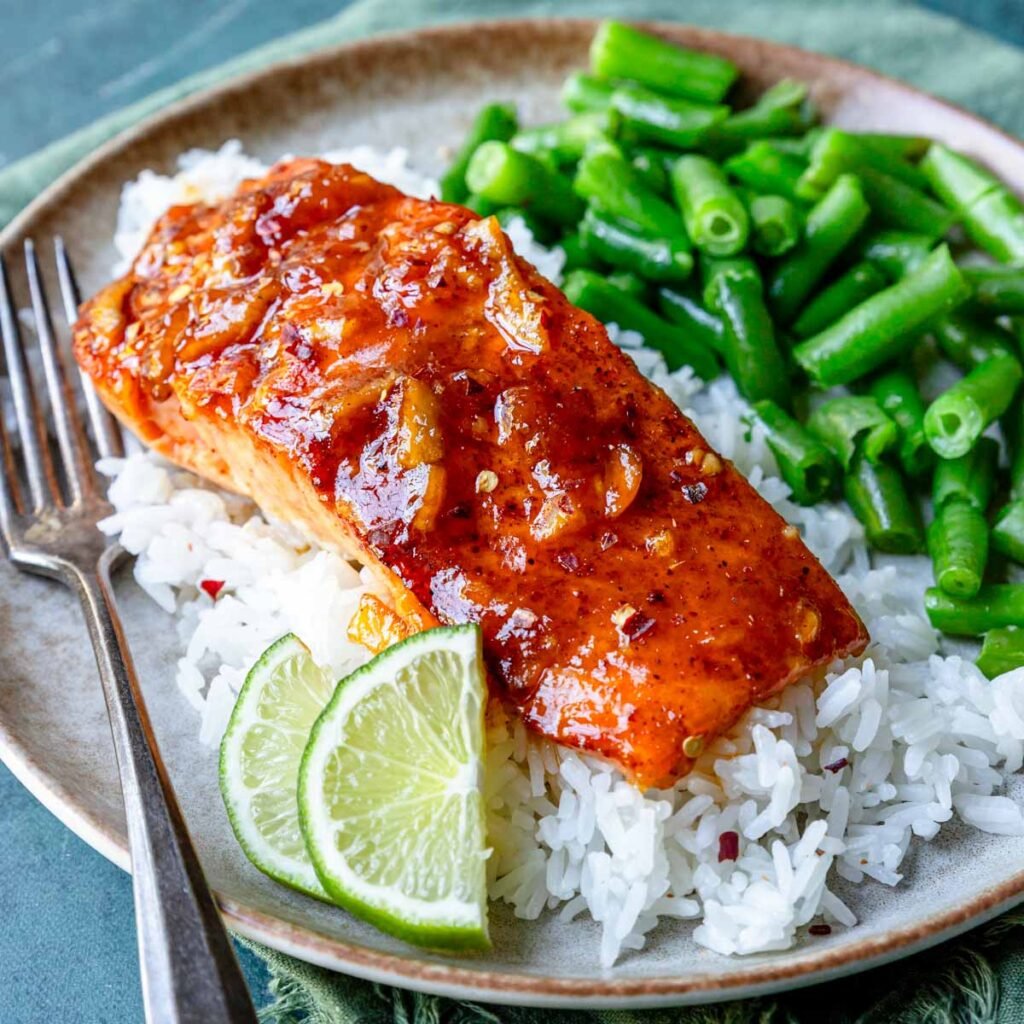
x,y
189,971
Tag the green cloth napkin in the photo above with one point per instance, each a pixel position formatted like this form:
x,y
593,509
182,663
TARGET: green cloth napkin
x,y
977,978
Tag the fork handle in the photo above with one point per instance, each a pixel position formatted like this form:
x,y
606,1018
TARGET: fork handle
x,y
189,971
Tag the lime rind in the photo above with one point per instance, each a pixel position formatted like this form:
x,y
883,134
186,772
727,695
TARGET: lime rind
x,y
260,754
390,791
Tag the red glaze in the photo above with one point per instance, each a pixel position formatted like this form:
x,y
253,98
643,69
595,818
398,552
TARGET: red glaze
x,y
387,373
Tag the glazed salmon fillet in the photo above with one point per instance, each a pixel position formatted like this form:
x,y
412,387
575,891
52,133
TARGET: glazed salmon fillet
x,y
386,374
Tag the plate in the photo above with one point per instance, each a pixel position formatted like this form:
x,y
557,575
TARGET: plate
x,y
407,90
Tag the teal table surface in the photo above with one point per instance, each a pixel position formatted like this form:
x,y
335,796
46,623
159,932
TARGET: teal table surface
x,y
67,938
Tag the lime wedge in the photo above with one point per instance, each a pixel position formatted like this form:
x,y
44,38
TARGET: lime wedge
x,y
260,754
390,791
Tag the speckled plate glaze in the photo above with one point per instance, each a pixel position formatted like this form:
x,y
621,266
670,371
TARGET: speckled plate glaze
x,y
407,90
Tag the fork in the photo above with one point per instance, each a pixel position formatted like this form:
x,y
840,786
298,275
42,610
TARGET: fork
x,y
49,509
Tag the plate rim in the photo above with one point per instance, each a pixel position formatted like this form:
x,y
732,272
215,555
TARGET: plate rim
x,y
412,970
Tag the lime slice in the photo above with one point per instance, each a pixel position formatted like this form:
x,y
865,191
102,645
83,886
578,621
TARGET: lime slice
x,y
390,797
260,754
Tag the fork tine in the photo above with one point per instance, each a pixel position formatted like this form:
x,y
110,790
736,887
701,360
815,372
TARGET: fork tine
x,y
105,428
38,471
71,439
8,487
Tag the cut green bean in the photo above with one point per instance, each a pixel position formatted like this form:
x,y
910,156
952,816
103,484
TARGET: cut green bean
x,y
733,290
837,152
620,51
878,497
831,225
609,304
897,394
860,282
992,215
904,147
583,93
806,465
652,165
1002,650
690,313
663,260
629,283
780,111
997,289
897,253
765,168
564,141
649,117
1008,531
968,342
970,478
958,546
958,417
903,206
619,190
495,122
775,222
854,425
481,206
884,326
715,217
996,605
577,256
504,175
541,230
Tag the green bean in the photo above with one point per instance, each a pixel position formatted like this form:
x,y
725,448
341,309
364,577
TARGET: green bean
x,y
715,217
967,341
806,465
733,290
906,147
1008,531
541,230
664,260
854,425
1002,650
878,497
993,216
896,392
495,122
764,167
577,256
882,327
619,51
689,312
629,283
958,546
565,141
799,146
1013,431
956,419
903,206
860,282
837,152
609,304
504,175
481,206
663,119
781,110
583,93
619,190
897,253
970,478
831,225
775,223
997,289
996,605
652,165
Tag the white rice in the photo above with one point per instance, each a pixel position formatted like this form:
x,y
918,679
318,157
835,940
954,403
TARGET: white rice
x,y
834,779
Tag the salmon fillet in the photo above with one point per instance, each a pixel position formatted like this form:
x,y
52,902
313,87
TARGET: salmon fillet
x,y
388,375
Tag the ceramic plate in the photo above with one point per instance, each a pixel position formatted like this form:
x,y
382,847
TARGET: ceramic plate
x,y
407,90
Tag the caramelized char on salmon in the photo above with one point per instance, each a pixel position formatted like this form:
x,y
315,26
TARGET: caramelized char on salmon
x,y
387,374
